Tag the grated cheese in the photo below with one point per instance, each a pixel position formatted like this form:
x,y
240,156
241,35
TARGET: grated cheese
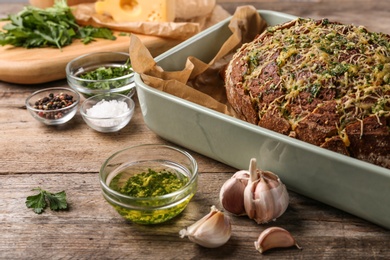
x,y
311,58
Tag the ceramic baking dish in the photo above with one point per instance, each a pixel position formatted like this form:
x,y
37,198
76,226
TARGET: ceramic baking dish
x,y
349,184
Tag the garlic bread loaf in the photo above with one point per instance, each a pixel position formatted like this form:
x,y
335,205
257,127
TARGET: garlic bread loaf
x,y
318,81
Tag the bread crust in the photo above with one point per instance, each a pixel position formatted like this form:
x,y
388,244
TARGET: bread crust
x,y
321,82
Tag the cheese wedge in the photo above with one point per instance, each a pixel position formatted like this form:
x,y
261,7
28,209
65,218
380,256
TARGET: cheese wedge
x,y
137,10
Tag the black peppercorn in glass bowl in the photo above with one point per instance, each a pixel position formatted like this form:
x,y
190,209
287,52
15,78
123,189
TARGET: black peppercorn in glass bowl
x,y
101,73
149,183
53,106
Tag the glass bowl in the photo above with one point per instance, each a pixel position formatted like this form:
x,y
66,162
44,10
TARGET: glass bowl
x,y
78,67
132,161
53,106
107,112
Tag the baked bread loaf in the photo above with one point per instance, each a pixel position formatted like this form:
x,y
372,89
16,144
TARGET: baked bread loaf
x,y
321,82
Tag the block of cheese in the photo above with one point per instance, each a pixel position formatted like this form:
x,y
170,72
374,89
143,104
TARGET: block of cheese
x,y
137,10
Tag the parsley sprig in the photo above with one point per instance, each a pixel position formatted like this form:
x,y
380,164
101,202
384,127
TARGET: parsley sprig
x,y
38,202
51,27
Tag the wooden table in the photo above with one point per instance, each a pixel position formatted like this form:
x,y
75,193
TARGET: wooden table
x,y
69,157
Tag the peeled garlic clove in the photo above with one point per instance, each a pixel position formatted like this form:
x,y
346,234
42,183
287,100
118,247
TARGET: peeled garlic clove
x,y
265,197
274,237
231,194
213,230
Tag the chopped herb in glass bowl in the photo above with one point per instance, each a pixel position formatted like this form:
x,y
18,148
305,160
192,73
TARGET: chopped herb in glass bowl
x,y
149,183
101,73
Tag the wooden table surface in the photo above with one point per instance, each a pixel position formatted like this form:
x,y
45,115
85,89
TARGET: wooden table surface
x,y
69,157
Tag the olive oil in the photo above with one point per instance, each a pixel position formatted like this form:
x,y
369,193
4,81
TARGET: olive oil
x,y
153,190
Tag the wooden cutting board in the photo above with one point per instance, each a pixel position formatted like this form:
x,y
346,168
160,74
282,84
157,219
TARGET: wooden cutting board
x,y
40,65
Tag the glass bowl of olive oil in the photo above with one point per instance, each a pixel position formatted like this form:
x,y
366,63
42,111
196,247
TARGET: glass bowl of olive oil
x,y
149,183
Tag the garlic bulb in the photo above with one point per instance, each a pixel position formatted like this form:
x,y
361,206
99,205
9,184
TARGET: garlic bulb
x,y
231,194
213,230
259,194
274,237
265,197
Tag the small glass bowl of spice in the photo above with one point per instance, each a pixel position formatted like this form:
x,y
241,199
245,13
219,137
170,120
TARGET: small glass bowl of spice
x,y
107,112
53,106
101,73
150,183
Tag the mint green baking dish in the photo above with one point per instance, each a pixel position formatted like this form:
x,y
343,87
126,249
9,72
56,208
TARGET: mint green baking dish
x,y
357,187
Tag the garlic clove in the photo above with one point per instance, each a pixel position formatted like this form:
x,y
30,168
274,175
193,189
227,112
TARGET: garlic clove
x,y
231,194
211,231
249,202
274,237
265,197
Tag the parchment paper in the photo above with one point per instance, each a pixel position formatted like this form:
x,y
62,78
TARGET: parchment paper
x,y
199,82
181,29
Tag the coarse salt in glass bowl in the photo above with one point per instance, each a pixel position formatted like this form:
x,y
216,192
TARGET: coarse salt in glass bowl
x,y
53,106
107,112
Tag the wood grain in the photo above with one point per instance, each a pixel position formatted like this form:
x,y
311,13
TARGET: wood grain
x,y
91,229
69,157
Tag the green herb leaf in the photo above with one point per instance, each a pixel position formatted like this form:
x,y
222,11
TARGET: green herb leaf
x,y
38,202
57,201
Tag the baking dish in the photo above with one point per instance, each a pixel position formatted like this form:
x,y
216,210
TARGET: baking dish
x,y
346,183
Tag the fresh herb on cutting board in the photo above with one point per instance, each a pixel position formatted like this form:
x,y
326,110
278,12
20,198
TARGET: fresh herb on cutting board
x,y
51,27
